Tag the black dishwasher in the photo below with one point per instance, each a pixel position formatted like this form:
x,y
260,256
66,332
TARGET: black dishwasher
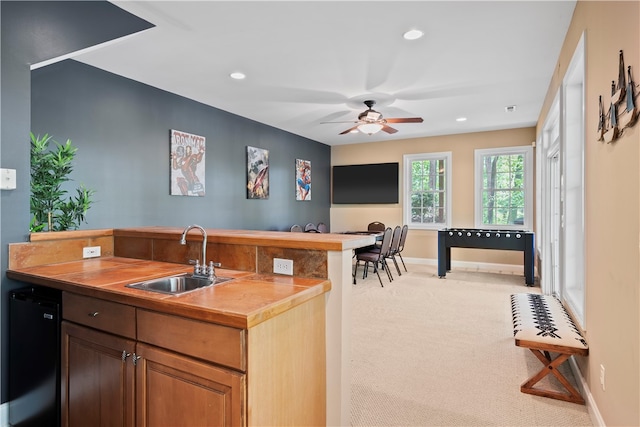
x,y
34,357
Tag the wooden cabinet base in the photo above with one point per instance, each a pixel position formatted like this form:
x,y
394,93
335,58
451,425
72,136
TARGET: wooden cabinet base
x,y
180,371
176,390
95,379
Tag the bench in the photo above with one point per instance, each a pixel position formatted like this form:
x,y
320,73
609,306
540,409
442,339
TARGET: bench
x,y
543,325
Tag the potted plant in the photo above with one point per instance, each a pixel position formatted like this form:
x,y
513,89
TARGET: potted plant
x,y
50,207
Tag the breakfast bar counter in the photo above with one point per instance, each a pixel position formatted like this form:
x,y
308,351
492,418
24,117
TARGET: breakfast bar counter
x,y
320,287
313,241
243,302
247,351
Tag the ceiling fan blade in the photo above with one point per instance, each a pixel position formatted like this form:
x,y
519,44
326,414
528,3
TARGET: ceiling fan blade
x,y
389,129
346,121
336,115
348,130
405,120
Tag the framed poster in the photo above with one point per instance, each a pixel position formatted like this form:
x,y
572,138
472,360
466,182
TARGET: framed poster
x,y
257,173
187,164
303,179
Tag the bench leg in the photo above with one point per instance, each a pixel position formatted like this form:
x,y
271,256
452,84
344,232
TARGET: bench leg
x,y
551,367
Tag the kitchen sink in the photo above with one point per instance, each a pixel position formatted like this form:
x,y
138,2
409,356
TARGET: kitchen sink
x,y
177,284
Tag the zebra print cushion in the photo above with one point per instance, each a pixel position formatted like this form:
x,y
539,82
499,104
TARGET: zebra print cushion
x,y
543,319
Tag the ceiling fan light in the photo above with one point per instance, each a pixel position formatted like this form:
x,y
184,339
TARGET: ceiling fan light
x,y
370,128
413,34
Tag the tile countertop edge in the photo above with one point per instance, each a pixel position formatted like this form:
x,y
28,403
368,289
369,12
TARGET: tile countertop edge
x,y
285,239
174,305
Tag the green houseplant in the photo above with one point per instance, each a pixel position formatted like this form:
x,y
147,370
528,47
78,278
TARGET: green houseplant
x,y
50,207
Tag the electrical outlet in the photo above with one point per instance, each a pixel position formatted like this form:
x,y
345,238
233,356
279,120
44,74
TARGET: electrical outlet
x,y
90,251
283,266
602,376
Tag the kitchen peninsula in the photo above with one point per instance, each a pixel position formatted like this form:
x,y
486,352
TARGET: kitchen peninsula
x,y
253,307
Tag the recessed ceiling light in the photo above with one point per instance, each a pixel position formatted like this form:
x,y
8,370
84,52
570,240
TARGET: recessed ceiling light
x,y
510,108
461,119
413,35
237,75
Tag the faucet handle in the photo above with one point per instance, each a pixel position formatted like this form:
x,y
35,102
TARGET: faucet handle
x,y
211,271
197,268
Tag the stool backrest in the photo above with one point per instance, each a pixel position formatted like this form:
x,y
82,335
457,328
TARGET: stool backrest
x,y
310,227
395,240
386,242
376,226
403,237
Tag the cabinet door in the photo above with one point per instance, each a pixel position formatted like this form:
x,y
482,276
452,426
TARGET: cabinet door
x,y
174,390
97,384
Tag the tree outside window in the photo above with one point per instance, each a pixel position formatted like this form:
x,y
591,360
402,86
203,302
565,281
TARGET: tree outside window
x,y
503,182
427,178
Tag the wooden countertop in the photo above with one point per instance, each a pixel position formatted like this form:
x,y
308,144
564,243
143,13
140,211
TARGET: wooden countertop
x,y
282,239
244,302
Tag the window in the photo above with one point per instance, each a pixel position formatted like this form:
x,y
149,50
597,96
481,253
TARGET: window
x,y
427,183
572,190
504,188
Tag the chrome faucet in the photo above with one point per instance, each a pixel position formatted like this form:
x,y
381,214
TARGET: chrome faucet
x,y
199,269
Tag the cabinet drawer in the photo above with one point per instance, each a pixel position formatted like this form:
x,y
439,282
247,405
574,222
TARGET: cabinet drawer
x,y
215,343
100,314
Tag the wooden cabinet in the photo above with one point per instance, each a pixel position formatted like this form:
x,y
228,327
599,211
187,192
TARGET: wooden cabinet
x,y
113,380
176,390
215,343
126,366
97,380
119,319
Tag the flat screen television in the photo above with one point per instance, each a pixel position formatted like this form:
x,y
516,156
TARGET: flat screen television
x,y
364,184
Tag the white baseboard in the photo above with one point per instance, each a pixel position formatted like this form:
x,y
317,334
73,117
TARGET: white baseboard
x,y
474,266
594,413
4,414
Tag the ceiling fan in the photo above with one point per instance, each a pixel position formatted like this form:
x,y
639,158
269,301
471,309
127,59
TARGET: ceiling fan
x,y
370,121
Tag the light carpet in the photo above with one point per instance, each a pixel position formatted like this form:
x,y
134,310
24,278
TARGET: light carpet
x,y
440,352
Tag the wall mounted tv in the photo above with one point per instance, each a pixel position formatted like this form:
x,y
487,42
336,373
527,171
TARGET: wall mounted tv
x,y
363,184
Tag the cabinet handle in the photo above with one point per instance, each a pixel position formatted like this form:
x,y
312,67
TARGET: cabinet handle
x,y
125,355
94,314
135,359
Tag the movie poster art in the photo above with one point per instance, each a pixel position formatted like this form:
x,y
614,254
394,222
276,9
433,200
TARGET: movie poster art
x,y
257,173
303,179
187,164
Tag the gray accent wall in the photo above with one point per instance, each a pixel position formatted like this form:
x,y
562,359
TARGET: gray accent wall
x,y
122,130
31,32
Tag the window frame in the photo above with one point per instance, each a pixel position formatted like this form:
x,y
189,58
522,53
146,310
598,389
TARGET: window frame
x,y
447,156
529,185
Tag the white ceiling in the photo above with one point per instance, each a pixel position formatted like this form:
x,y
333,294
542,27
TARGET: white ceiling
x,y
311,62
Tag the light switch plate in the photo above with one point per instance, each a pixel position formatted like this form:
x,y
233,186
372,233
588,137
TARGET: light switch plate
x,y
90,251
7,179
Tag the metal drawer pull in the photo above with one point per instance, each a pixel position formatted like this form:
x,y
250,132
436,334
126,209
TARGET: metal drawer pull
x,y
125,355
135,359
94,314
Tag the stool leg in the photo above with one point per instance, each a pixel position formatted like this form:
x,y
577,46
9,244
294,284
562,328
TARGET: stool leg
x,y
551,367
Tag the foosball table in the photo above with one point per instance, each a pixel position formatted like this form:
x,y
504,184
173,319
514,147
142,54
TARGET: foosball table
x,y
511,240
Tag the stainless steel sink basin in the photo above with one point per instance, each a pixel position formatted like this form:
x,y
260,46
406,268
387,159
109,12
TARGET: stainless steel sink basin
x,y
177,284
